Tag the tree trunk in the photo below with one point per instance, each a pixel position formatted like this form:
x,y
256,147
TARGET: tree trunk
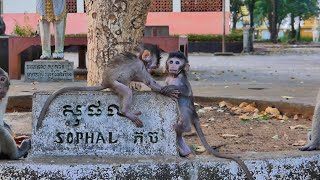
x,y
270,27
275,22
251,9
299,30
114,26
293,31
234,21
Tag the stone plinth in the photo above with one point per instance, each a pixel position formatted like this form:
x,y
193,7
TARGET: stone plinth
x,y
271,166
88,123
49,70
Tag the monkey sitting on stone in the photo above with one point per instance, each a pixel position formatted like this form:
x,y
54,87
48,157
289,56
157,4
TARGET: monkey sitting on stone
x,y
314,135
8,147
118,73
177,67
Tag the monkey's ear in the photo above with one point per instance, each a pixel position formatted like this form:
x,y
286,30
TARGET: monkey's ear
x,y
187,67
145,55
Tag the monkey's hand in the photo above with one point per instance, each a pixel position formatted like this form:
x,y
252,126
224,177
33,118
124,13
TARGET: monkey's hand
x,y
310,147
171,91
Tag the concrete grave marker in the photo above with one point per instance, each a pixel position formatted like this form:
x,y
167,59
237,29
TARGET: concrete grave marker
x,y
48,70
87,123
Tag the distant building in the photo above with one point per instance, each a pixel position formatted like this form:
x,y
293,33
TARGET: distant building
x,y
182,16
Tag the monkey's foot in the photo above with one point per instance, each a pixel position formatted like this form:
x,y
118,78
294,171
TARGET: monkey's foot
x,y
183,148
184,153
134,118
45,56
309,147
58,55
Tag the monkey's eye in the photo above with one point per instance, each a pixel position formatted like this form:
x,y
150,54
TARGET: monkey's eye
x,y
3,79
177,62
170,62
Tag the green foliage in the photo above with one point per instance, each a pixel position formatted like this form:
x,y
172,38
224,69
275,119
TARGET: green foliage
x,y
23,31
286,39
303,9
306,39
232,37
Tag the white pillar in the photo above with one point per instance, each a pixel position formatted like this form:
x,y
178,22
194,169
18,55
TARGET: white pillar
x,y
80,6
176,5
227,5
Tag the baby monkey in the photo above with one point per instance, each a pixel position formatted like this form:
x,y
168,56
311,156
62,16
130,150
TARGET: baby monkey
x,y
314,135
118,73
8,146
177,67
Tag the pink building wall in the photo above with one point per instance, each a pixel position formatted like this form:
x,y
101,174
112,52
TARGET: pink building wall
x,y
179,22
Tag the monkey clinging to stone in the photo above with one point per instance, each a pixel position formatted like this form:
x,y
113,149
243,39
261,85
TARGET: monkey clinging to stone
x,y
118,73
314,135
177,67
8,147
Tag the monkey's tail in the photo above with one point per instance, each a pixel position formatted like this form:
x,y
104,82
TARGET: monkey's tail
x,y
59,92
218,154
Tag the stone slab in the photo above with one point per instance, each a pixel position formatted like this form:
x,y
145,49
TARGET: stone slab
x,y
87,123
271,166
48,70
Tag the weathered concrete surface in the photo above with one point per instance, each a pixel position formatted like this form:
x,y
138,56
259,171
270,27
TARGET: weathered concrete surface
x,y
283,165
87,123
49,70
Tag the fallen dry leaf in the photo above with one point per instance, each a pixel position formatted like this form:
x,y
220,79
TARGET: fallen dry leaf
x,y
199,149
244,116
196,104
253,104
229,136
222,104
205,125
201,111
296,117
249,108
299,126
225,104
275,137
282,117
209,108
235,108
272,111
299,143
243,104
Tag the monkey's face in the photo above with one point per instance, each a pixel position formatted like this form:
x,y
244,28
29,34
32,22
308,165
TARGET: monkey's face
x,y
150,60
175,65
4,86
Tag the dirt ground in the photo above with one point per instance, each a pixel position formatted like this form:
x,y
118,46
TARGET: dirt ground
x,y
223,129
230,134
